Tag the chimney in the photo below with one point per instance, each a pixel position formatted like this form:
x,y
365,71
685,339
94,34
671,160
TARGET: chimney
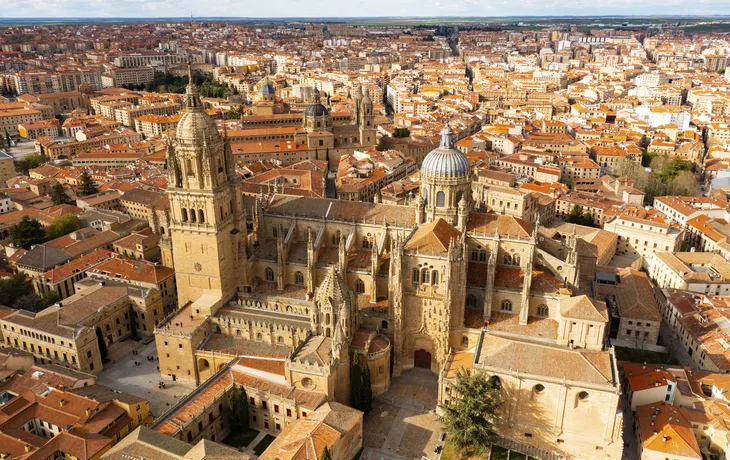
x,y
664,438
61,402
88,411
27,447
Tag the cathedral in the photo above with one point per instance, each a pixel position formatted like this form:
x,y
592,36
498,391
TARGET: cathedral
x,y
312,282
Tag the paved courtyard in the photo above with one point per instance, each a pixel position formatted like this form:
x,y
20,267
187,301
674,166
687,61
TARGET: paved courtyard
x,y
403,424
142,380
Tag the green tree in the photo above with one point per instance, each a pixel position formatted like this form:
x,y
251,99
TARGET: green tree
x,y
576,215
50,297
235,113
325,454
356,390
63,225
238,409
14,288
102,344
29,162
470,417
26,233
58,195
87,185
30,302
367,389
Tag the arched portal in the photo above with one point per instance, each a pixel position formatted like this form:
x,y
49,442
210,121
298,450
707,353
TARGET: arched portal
x,y
422,358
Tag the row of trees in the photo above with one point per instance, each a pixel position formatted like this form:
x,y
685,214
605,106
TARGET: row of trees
x,y
29,232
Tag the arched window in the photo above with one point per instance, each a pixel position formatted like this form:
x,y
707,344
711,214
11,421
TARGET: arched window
x,y
384,324
416,276
425,195
543,310
220,208
424,276
201,216
465,340
434,277
365,243
298,278
280,339
507,259
482,256
459,196
275,232
327,319
192,215
259,336
184,215
474,255
238,332
189,167
506,305
359,287
516,259
269,274
440,199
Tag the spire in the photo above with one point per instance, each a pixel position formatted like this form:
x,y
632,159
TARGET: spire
x,y
192,98
447,137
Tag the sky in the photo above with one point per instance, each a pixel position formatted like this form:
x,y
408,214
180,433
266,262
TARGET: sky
x,y
356,8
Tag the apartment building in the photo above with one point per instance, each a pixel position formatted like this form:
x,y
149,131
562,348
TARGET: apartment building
x,y
701,272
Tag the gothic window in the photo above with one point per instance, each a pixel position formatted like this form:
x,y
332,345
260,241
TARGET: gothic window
x,y
359,287
424,276
482,256
516,259
298,278
506,305
275,232
192,215
280,339
189,167
259,336
542,310
221,210
440,199
327,319
269,273
425,195
434,277
365,243
471,301
201,216
416,276
507,259
459,195
474,255
184,215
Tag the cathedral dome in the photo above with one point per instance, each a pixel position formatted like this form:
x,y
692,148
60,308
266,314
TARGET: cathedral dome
x,y
267,89
446,161
316,110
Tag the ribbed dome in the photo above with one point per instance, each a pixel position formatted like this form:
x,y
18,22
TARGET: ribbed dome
x,y
195,124
267,89
316,110
446,160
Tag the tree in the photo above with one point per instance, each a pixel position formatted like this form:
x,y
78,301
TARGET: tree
x,y
50,297
102,344
87,185
470,417
29,162
63,225
30,302
238,409
325,454
356,391
576,214
58,195
26,233
14,288
367,389
235,113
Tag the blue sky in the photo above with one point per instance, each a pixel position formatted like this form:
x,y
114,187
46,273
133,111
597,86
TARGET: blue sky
x,y
352,8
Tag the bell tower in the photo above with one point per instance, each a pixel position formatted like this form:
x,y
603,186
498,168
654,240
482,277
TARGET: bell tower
x,y
207,219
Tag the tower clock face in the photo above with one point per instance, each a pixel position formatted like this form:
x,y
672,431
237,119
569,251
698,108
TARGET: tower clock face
x,y
197,266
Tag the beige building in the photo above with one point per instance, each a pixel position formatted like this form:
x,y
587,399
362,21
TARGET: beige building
x,y
702,272
305,283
